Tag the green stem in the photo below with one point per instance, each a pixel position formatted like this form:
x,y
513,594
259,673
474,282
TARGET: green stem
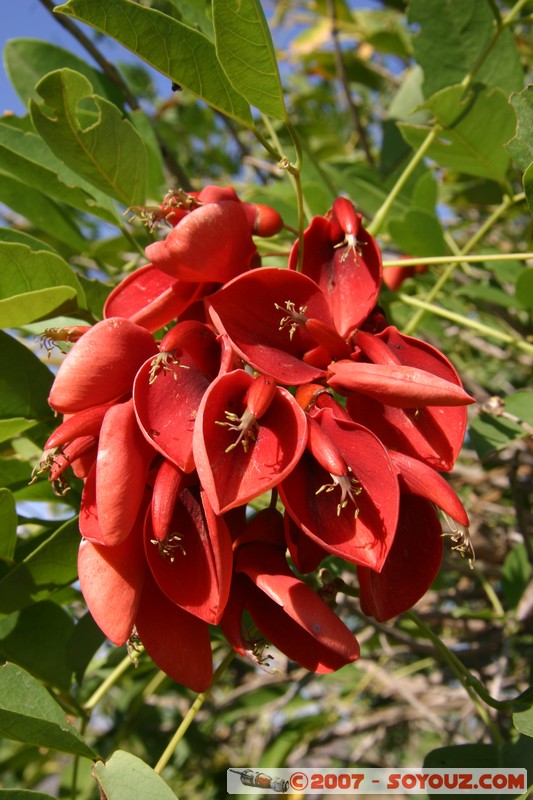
x,y
466,322
479,259
472,242
111,679
472,685
191,715
299,194
377,223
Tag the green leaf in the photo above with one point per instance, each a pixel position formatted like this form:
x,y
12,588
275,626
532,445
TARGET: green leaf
x,y
29,60
126,776
460,146
452,36
528,186
29,714
85,640
8,525
52,219
520,404
51,566
488,434
246,52
184,55
516,571
24,382
103,146
26,157
19,237
523,721
35,285
36,639
521,145
10,428
418,232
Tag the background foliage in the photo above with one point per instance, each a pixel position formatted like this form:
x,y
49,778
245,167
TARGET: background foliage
x,y
421,114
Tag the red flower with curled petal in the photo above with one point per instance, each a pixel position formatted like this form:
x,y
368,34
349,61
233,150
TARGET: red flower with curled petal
x,y
249,434
344,492
279,322
286,611
432,433
345,261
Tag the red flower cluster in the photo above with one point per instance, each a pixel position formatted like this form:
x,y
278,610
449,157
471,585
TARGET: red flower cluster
x,y
273,380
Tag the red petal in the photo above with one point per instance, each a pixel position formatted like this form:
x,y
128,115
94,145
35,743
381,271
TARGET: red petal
x,y
101,366
367,538
349,277
411,566
111,579
250,310
292,616
194,572
233,478
151,298
212,243
166,408
122,464
175,640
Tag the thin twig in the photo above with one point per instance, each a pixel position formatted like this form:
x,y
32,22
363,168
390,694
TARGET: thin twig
x,y
343,80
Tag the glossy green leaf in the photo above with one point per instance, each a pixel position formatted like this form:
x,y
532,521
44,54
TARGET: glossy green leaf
x,y
54,220
126,776
418,233
185,55
26,157
8,524
52,565
460,146
104,148
24,382
36,638
451,38
35,285
246,52
29,714
29,60
521,145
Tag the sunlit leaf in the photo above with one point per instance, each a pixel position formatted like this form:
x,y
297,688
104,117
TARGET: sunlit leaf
x,y
29,60
450,39
34,285
460,146
181,53
104,148
125,775
521,145
28,713
246,52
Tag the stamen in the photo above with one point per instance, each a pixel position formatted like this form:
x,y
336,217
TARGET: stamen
x,y
350,488
59,485
167,362
293,318
460,535
351,242
246,425
168,546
